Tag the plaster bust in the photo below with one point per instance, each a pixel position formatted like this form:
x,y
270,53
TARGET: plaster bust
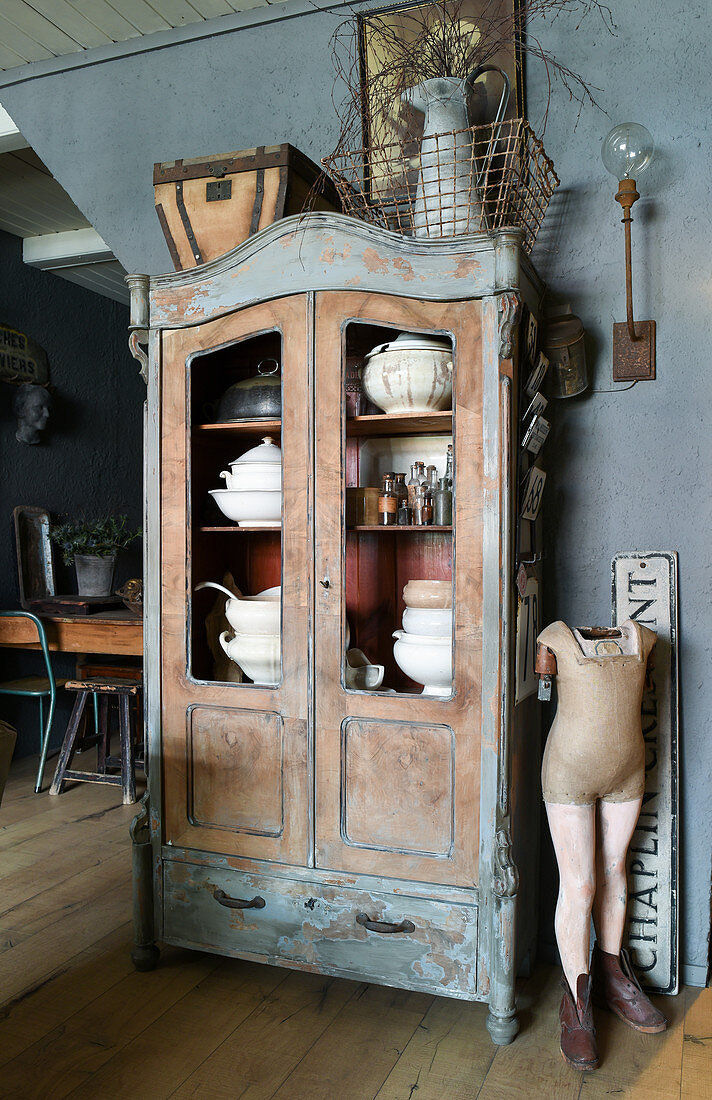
x,y
32,406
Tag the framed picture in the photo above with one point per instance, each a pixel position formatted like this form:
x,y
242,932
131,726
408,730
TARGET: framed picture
x,y
385,35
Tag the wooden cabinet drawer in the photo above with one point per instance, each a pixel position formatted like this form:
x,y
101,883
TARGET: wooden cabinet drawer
x,y
315,927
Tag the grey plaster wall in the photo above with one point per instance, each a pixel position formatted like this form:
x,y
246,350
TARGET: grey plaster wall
x,y
628,469
89,461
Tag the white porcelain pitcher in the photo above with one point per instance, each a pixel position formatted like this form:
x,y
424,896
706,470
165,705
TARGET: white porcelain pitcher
x,y
447,199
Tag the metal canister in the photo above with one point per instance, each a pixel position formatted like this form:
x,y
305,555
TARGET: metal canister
x,y
564,345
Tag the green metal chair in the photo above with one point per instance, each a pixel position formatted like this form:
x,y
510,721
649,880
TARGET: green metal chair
x,y
39,687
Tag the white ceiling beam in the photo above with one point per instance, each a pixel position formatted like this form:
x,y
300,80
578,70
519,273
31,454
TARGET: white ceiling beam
x,y
10,137
51,251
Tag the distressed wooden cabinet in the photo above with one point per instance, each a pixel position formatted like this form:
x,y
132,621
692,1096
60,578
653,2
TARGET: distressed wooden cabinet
x,y
374,835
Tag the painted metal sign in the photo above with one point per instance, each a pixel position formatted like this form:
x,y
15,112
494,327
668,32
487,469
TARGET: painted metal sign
x,y
21,358
645,590
532,493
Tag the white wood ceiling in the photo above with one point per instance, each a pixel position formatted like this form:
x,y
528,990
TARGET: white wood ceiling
x,y
35,30
35,207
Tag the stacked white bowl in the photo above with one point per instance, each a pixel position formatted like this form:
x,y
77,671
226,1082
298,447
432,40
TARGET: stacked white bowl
x,y
423,648
252,496
257,623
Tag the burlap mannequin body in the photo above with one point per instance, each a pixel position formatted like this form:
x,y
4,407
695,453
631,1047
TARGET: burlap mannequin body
x,y
593,778
595,746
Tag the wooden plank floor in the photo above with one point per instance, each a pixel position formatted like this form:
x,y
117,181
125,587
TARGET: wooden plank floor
x,y
77,1021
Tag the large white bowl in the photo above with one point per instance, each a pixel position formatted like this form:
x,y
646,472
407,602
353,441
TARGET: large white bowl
x,y
250,507
418,593
431,621
260,614
258,655
427,660
257,475
410,374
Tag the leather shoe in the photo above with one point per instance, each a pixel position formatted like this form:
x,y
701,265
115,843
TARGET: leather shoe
x,y
578,1035
616,987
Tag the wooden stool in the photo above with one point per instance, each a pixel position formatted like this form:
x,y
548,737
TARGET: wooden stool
x,y
106,688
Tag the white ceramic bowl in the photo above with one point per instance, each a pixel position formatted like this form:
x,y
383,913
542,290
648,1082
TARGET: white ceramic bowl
x,y
258,655
257,475
427,660
428,594
250,507
259,614
410,374
435,622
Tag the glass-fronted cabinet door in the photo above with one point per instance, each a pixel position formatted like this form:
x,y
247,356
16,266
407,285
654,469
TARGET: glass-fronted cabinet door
x,y
398,639
234,567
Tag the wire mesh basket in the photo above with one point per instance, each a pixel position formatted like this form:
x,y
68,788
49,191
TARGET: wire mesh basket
x,y
465,181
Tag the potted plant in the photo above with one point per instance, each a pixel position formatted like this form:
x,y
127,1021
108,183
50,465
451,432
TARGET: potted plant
x,y
93,545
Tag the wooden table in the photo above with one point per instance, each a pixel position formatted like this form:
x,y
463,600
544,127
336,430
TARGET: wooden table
x,y
116,632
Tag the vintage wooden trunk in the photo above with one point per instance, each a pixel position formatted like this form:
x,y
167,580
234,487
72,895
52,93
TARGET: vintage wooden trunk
x,y
386,835
208,205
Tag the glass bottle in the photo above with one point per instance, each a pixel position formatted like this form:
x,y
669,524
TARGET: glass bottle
x,y
442,504
388,505
401,489
449,467
419,507
432,475
422,476
413,483
427,508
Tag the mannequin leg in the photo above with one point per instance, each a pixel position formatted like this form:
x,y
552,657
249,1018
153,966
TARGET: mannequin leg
x,y
573,831
615,826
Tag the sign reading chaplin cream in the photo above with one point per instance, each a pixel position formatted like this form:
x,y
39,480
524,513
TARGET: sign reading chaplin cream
x,y
645,590
21,358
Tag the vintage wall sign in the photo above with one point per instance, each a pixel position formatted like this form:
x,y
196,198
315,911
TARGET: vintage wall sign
x,y
536,377
645,590
532,493
536,406
21,358
535,435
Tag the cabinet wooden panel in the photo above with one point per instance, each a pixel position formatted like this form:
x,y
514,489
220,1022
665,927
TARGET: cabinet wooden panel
x,y
438,774
235,770
215,733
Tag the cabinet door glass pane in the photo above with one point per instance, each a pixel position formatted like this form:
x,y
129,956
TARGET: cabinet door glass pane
x,y
235,508
398,515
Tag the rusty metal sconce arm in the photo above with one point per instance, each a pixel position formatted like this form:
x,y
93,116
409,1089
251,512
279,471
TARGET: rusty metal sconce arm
x,y
626,150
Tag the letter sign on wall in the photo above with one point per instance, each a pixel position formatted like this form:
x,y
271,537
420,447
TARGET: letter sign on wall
x,y
645,590
21,358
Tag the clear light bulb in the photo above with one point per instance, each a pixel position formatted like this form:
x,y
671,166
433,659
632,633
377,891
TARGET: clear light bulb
x,y
627,150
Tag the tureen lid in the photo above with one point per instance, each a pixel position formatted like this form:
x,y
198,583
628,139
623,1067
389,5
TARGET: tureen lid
x,y
413,341
267,451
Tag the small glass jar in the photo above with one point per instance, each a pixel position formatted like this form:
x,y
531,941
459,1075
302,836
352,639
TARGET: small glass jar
x,y
401,489
442,504
388,505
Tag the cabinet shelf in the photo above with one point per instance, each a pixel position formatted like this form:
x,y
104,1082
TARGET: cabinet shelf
x,y
241,427
400,424
240,530
397,528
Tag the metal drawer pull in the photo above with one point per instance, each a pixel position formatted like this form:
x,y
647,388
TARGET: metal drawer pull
x,y
383,926
238,903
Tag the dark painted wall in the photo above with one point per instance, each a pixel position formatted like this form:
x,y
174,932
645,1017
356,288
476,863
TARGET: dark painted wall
x,y
89,461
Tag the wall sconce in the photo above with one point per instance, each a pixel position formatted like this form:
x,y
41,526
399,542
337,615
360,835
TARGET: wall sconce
x,y
626,152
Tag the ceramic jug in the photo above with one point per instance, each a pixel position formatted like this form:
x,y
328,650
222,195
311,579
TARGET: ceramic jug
x,y
448,200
